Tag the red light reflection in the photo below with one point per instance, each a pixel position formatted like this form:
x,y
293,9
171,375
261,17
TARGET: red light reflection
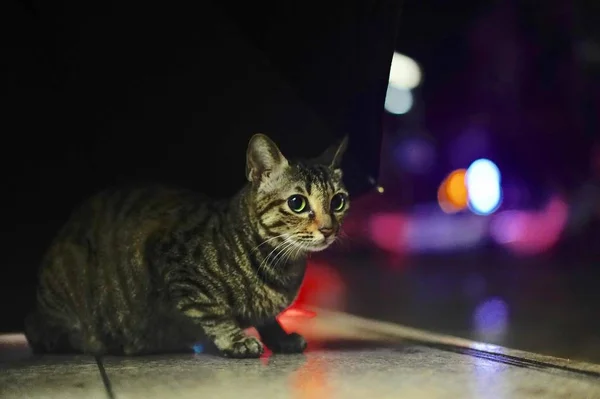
x,y
322,287
311,380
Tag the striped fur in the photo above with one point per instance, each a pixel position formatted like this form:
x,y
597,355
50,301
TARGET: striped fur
x,y
153,269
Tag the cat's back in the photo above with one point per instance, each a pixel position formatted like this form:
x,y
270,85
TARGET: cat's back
x,y
134,210
109,232
94,280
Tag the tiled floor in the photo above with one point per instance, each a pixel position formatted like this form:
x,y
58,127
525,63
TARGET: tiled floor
x,y
545,313
392,361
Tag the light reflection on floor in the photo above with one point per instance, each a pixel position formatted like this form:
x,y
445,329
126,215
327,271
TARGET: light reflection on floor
x,y
348,357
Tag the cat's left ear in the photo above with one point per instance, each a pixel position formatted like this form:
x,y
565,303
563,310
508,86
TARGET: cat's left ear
x,y
332,156
263,158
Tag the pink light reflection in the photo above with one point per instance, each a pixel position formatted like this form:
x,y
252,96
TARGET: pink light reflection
x,y
426,231
388,231
529,233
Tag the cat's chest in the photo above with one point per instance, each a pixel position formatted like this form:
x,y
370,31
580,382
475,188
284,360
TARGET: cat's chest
x,y
269,300
265,302
267,297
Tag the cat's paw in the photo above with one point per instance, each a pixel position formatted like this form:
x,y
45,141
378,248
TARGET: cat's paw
x,y
290,343
245,347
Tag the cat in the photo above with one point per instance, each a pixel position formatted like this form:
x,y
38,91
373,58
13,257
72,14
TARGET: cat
x,y
151,269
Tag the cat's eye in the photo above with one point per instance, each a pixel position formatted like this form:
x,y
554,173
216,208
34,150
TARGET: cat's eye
x,y
338,202
298,203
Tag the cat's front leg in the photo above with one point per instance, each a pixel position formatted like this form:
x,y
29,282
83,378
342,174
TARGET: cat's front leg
x,y
222,329
229,338
276,339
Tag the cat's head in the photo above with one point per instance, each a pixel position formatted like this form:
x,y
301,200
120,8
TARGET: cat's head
x,y
301,203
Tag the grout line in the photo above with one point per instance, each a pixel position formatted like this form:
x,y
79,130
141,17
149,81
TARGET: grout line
x,y
105,379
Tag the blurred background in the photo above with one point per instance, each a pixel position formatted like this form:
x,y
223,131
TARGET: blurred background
x,y
484,222
474,158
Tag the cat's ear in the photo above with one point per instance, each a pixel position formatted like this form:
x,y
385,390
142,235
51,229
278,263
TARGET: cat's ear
x,y
332,156
263,158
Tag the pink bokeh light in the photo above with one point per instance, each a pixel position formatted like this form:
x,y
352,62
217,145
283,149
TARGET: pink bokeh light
x,y
529,233
388,231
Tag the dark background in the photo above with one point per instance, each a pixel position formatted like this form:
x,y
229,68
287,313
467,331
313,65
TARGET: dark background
x,y
98,93
105,92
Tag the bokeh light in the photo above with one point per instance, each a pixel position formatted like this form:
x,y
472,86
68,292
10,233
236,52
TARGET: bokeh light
x,y
456,189
426,231
437,232
198,349
529,233
490,318
388,231
404,72
483,185
442,199
398,101
453,193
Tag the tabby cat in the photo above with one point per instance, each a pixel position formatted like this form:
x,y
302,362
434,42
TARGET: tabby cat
x,y
151,269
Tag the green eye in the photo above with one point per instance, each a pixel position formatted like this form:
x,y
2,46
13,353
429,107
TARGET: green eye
x,y
298,203
338,202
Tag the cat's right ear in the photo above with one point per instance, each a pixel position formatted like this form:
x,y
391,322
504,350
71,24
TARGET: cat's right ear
x,y
332,156
263,158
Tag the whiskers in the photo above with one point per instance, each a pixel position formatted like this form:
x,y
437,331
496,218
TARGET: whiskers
x,y
342,239
289,248
268,240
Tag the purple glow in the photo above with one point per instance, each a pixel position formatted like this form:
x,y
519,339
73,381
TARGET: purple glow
x,y
415,155
508,226
470,145
435,232
426,230
491,317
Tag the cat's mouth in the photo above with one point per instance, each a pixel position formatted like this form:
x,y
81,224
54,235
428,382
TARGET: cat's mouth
x,y
317,246
313,244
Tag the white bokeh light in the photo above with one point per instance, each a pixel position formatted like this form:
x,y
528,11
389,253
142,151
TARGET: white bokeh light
x,y
483,184
398,101
404,72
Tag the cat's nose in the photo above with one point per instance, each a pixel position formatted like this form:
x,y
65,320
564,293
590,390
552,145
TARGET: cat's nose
x,y
326,231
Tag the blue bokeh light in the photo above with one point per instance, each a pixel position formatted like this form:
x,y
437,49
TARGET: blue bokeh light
x,y
198,348
483,184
